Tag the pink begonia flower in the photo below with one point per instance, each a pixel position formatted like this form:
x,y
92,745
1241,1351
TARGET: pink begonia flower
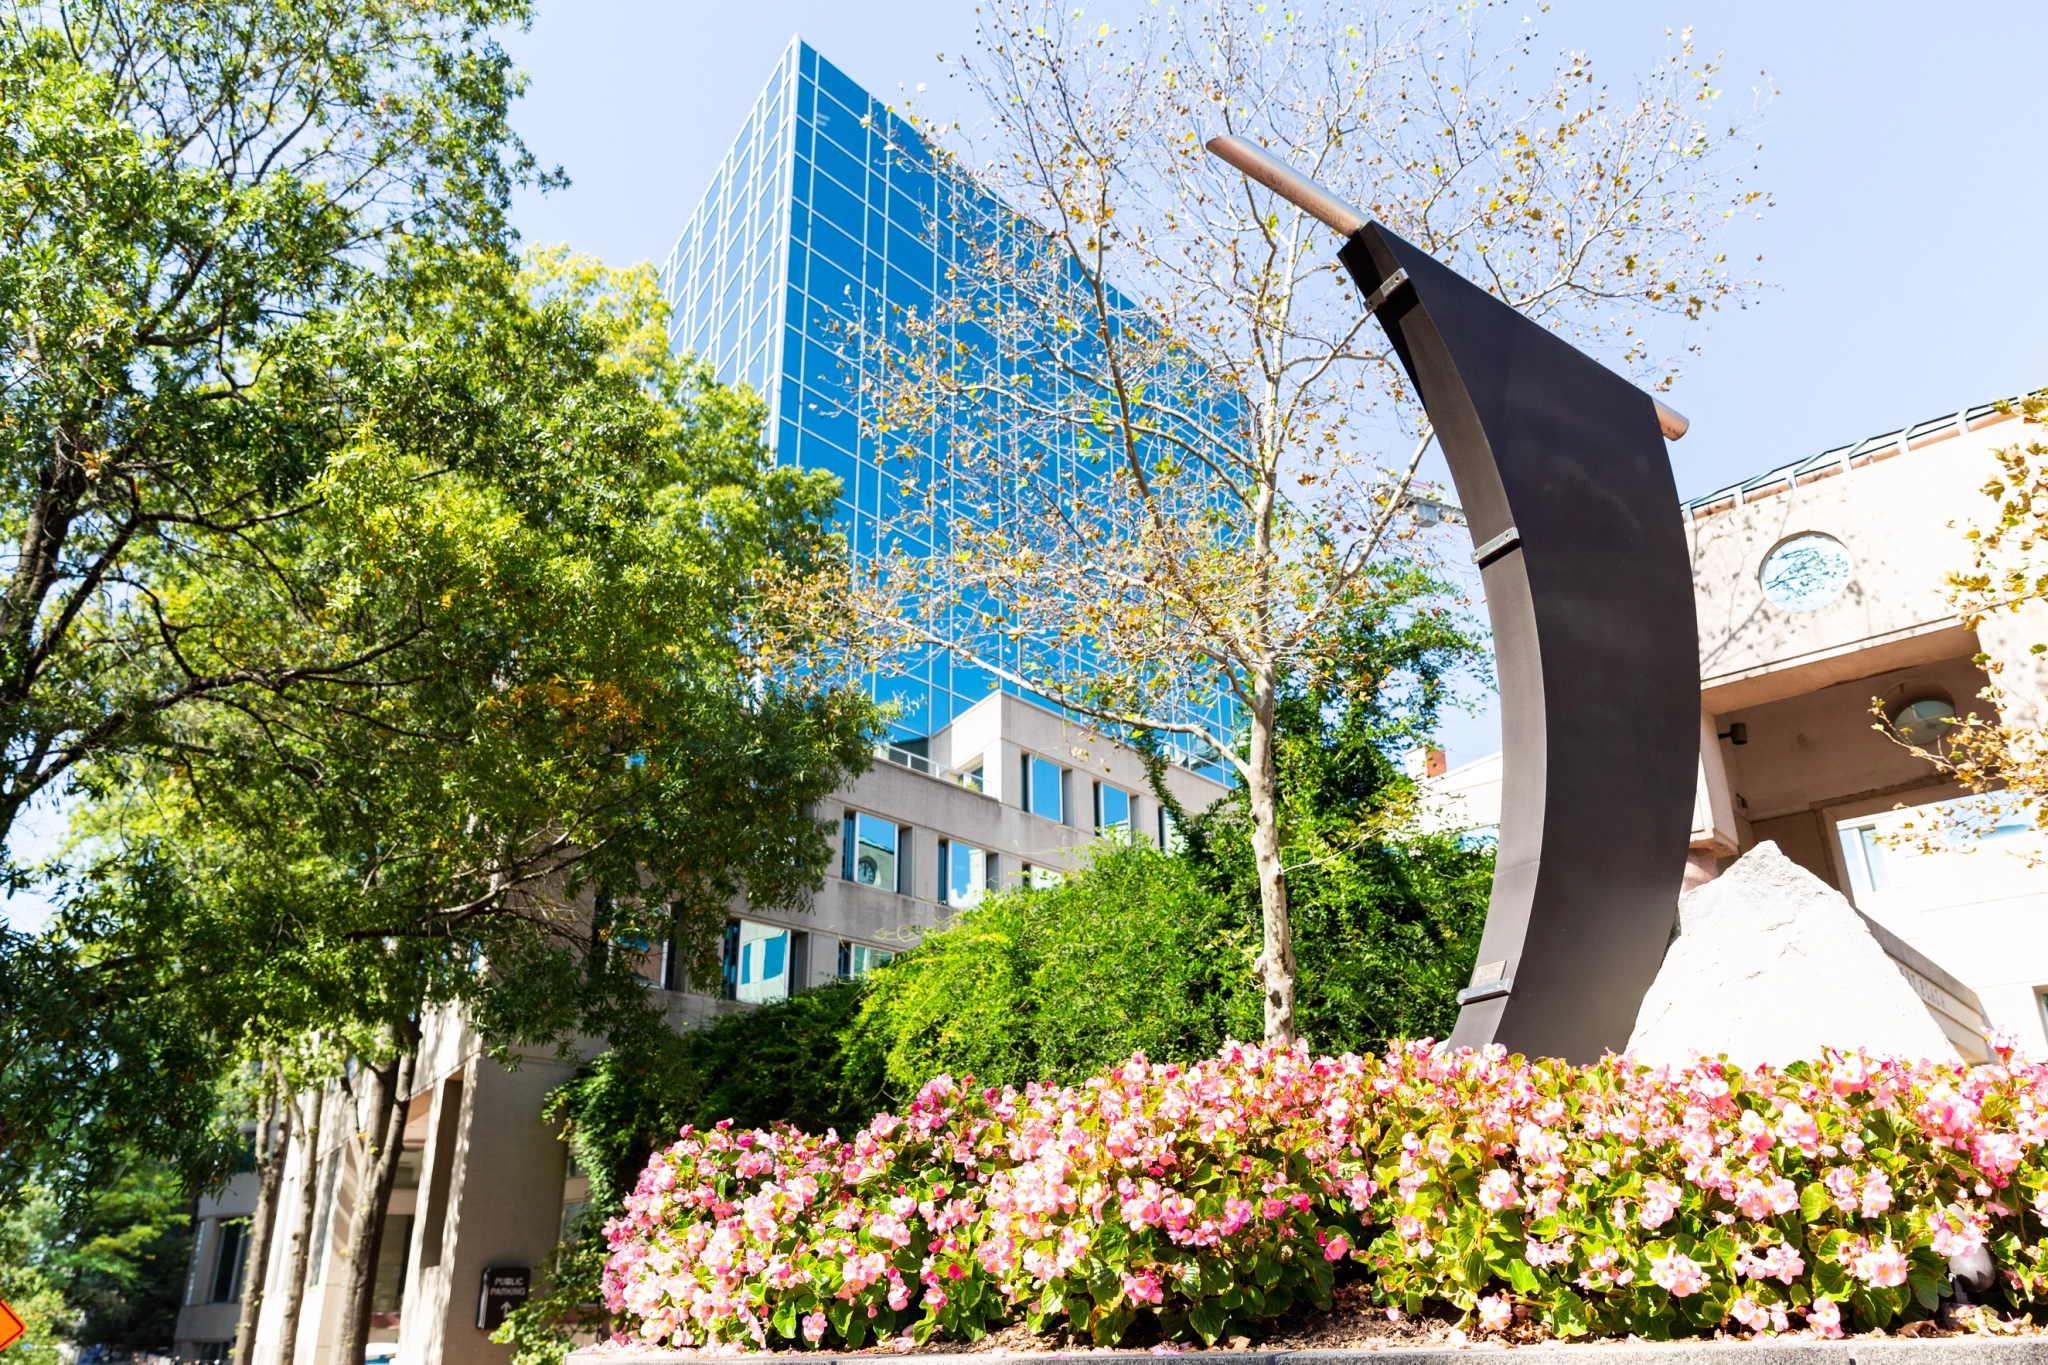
x,y
1143,1287
1761,1199
1877,1194
1796,1128
726,1220
1660,1201
1957,1231
1782,1262
1678,1273
814,1327
1996,1154
1495,1313
1880,1266
1824,1318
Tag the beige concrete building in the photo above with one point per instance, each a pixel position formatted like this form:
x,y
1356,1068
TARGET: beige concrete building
x,y
1007,793
1820,593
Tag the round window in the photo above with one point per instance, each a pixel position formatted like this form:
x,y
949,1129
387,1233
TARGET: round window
x,y
1805,572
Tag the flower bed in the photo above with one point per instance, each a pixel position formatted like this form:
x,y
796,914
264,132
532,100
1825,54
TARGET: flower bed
x,y
1604,1199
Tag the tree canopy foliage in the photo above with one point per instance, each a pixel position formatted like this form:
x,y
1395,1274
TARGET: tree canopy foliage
x,y
188,192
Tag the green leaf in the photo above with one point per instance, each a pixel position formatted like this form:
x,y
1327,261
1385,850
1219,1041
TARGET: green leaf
x,y
1568,1316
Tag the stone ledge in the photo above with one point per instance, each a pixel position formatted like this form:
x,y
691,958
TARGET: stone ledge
x,y
2028,1350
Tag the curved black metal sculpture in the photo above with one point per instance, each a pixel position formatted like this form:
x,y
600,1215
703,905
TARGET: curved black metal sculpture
x,y
1566,485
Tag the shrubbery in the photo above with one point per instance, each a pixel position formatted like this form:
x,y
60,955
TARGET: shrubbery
x,y
1600,1199
1143,952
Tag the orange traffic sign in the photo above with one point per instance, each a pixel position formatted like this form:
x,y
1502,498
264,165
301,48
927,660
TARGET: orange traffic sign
x,y
11,1327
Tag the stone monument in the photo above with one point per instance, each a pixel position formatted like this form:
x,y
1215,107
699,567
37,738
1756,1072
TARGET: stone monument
x,y
1769,964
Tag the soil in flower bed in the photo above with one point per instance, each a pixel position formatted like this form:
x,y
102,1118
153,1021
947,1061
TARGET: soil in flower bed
x,y
1356,1323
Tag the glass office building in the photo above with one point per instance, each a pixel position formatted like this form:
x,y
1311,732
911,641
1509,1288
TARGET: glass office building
x,y
825,216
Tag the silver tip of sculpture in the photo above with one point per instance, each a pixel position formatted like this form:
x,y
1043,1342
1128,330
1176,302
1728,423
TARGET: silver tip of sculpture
x,y
1297,189
1670,421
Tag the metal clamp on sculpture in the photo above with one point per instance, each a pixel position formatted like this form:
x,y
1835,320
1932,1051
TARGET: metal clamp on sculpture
x,y
1595,642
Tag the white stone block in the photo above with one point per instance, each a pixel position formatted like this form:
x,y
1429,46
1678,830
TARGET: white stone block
x,y
1770,964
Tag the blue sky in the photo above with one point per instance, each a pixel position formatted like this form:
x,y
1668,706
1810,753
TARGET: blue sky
x,y
1903,152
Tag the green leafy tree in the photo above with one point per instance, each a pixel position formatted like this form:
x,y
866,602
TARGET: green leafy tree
x,y
1386,915
183,184
1184,413
108,1270
564,563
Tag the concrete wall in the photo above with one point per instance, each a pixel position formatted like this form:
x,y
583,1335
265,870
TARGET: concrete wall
x,y
500,1204
1891,511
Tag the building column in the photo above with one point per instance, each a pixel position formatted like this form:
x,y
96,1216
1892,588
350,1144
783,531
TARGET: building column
x,y
503,1205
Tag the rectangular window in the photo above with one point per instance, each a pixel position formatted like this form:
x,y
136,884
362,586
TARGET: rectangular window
x,y
799,961
230,1255
1112,811
756,962
868,851
1864,855
857,959
964,873
394,1257
837,205
1044,785
1169,832
905,847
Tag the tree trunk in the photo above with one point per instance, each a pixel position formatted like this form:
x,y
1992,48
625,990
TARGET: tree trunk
x,y
1276,957
379,1140
302,1235
270,1152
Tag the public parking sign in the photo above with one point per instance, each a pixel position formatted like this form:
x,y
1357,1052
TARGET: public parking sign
x,y
504,1289
11,1327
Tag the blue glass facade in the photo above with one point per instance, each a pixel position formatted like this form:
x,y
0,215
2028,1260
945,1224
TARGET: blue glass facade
x,y
820,218
824,217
